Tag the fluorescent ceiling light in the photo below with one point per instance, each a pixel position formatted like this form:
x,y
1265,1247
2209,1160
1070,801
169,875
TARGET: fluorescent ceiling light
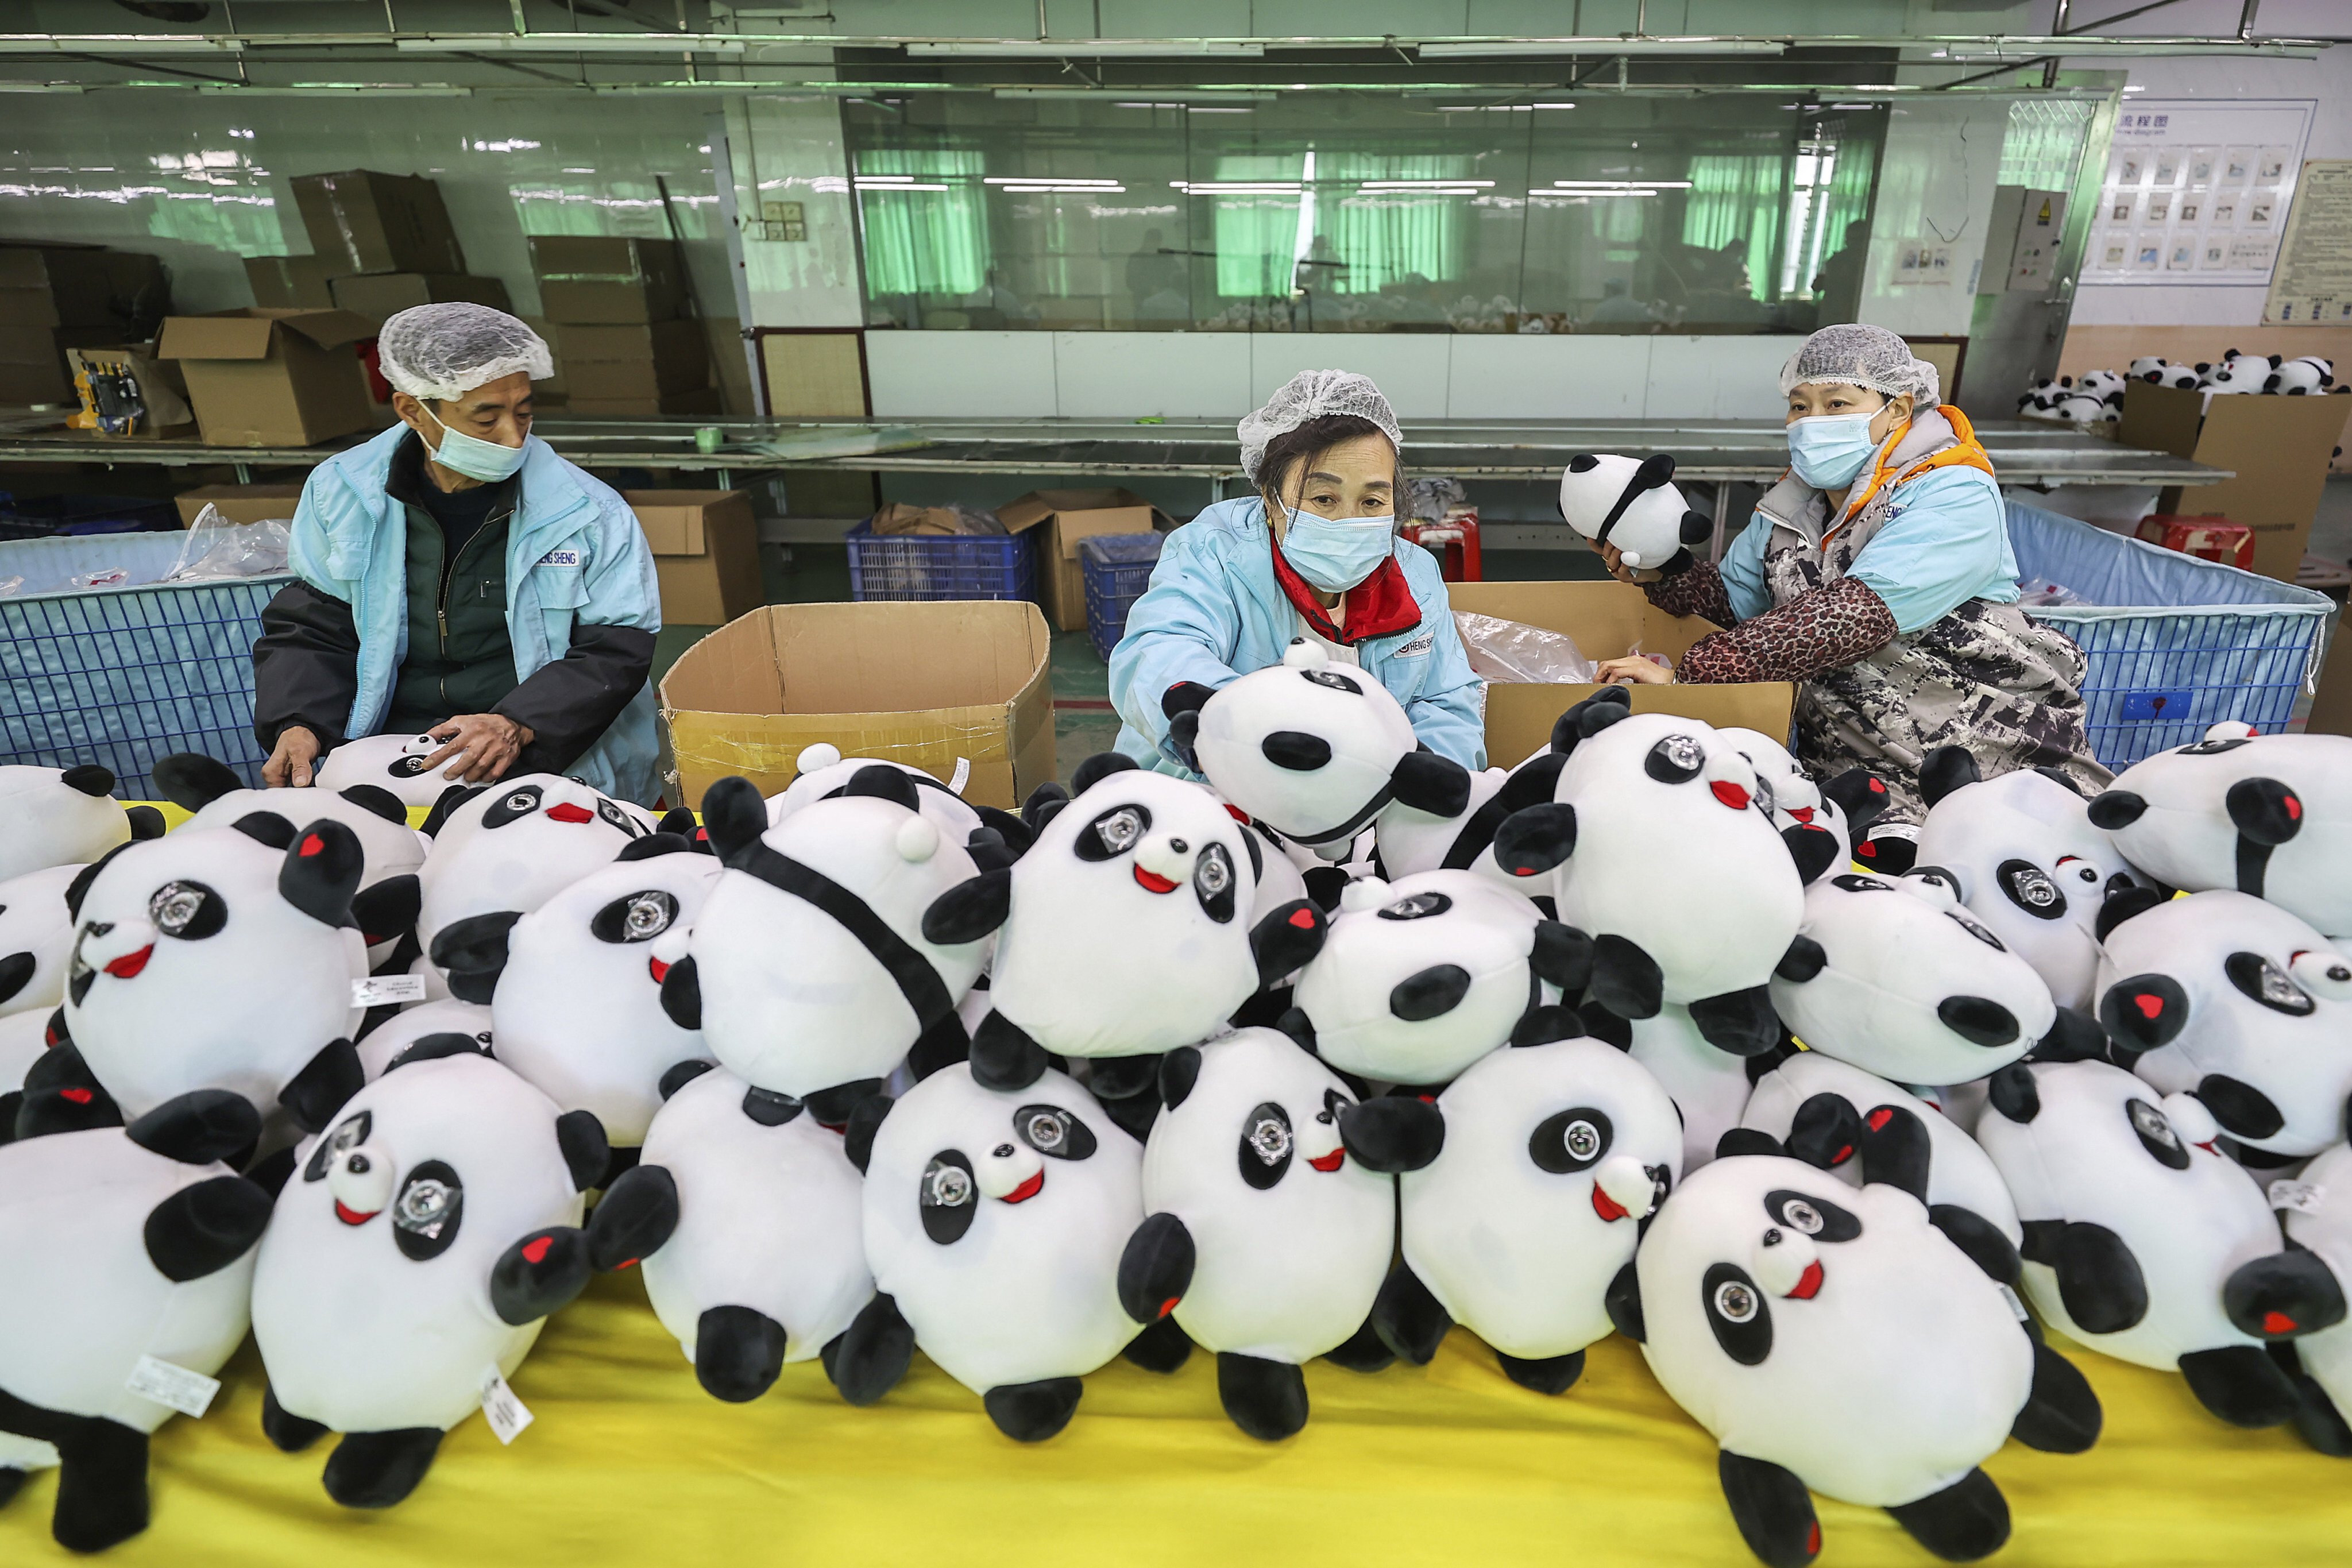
x,y
1600,46
1044,180
118,43
1555,106
1419,185
1064,190
1604,185
574,44
1596,195
895,185
1055,48
1212,188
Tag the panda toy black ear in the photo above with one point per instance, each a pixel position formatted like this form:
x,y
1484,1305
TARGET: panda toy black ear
x,y
864,1120
326,1080
971,910
2144,1012
657,843
2014,1094
586,1151
2115,808
1180,1069
879,780
1394,1133
146,823
1583,463
2074,1038
1427,782
79,889
1096,768
474,951
1044,803
199,1127
1737,1141
1861,795
266,828
1698,528
321,871
677,819
190,780
89,778
435,1047
376,801
449,800
735,816
677,1075
1946,769
1016,834
389,907
1656,469
1588,718
1804,959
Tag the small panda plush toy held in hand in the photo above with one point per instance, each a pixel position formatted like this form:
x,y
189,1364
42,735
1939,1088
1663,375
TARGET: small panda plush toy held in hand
x,y
1632,504
394,763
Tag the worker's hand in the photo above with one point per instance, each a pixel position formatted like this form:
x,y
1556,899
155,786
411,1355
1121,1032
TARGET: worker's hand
x,y
1633,671
1615,561
292,760
479,747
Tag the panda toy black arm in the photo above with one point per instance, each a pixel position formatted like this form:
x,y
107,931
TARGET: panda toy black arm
x,y
62,1095
474,952
548,1268
203,1228
1393,1133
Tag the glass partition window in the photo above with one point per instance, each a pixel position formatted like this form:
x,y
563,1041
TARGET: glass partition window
x,y
1371,213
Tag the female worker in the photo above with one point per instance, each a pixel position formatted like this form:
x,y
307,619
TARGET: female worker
x,y
1314,554
1878,575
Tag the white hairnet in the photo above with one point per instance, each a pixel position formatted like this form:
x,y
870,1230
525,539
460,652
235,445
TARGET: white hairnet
x,y
439,353
1856,355
1311,394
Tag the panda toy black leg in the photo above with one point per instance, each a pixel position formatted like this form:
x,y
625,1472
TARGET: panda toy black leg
x,y
1966,1520
738,1352
1625,980
1121,1078
1408,1316
1548,1374
1004,1057
1741,1023
377,1469
1773,1508
2316,1420
1266,1399
1033,1412
1163,1348
12,1481
2242,1385
2062,1415
1134,1113
1363,1350
102,1483
874,1352
288,1433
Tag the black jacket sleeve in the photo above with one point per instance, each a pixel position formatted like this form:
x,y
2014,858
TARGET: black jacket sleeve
x,y
306,666
570,702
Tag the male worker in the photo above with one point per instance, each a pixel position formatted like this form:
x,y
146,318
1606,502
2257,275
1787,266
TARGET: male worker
x,y
460,579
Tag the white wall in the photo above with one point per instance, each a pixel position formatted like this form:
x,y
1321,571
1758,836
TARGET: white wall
x,y
790,150
1936,182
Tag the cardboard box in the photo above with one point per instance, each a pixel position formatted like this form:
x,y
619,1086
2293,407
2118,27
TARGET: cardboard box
x,y
31,368
601,279
272,378
363,221
2207,538
706,549
587,398
100,291
1608,620
635,360
239,503
289,282
956,685
2278,447
1066,517
379,296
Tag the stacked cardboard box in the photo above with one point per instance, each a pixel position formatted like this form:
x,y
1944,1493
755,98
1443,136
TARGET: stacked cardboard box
x,y
623,329
272,378
380,243
56,297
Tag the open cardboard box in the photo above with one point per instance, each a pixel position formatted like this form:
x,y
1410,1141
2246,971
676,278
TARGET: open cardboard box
x,y
953,686
1062,518
2279,448
263,377
1608,620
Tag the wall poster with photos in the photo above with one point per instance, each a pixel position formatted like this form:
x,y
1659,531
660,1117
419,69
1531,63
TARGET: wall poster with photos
x,y
2196,192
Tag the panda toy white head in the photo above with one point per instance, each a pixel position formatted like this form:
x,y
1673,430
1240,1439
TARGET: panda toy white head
x,y
428,1029
1313,749
512,845
37,935
2147,366
2300,377
2101,383
993,1223
2299,1295
2265,815
574,986
2239,372
53,817
2023,854
1632,504
2082,408
1422,976
1710,1086
420,1243
1843,808
1897,978
821,772
394,763
2238,1003
2038,400
221,958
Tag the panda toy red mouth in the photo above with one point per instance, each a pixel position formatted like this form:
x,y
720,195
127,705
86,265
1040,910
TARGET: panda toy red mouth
x,y
1152,882
1027,1190
1803,814
1809,1283
657,969
1732,794
567,812
1326,1164
349,1215
1607,1207
128,966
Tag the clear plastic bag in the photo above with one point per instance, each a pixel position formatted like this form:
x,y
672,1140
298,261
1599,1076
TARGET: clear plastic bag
x,y
1432,499
11,586
104,577
216,548
1513,650
2035,591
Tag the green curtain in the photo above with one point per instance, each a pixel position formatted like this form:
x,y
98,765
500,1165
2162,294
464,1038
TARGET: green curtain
x,y
1738,197
925,242
1382,237
1256,236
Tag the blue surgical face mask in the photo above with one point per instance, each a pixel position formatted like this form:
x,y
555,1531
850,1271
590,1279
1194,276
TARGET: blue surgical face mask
x,y
472,456
1829,450
1337,554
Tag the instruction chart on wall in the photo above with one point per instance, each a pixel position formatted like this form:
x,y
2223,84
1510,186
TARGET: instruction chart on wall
x,y
2312,286
2196,192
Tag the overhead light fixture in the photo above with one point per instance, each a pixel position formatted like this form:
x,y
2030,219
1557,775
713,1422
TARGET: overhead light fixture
x,y
1422,184
1603,185
1064,190
2025,51
1049,180
1500,48
896,185
1091,48
1236,187
1554,106
118,43
573,44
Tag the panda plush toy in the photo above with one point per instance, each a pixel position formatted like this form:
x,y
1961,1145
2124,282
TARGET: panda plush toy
x,y
2021,853
64,817
1122,932
515,844
574,987
2217,812
222,958
2039,399
1897,978
124,1244
766,1264
386,1046
1809,1325
37,935
2085,408
2180,377
2301,377
1709,1089
2297,1297
1664,852
393,763
2134,1223
1632,504
1420,977
1411,841
2239,372
2242,1005
1553,1155
993,1222
1313,749
2101,383
1844,808
821,772
419,1246
839,888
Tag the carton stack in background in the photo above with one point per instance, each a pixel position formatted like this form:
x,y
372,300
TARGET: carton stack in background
x,y
380,243
619,312
58,297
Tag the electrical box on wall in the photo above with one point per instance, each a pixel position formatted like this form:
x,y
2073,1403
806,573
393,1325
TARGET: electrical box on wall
x,y
2022,241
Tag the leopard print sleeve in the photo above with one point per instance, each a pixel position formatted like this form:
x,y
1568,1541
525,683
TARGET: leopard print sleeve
x,y
1820,629
1695,590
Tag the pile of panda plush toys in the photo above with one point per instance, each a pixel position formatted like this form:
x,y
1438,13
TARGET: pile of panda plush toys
x,y
1347,1047
2096,398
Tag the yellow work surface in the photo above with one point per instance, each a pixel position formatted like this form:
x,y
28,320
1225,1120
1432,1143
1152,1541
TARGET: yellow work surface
x,y
630,1463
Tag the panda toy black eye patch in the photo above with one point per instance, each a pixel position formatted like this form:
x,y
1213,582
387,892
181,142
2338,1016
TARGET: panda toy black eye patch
x,y
621,819
1113,833
425,1216
1053,1132
188,910
2030,889
1737,1311
1979,931
1335,680
948,1196
2154,1130
406,767
2214,748
512,806
1570,1140
1676,759
634,917
348,1134
2264,982
1808,1215
1266,1144
1212,882
1418,907
1856,882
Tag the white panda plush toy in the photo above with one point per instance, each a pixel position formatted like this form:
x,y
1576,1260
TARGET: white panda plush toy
x,y
1553,1156
394,763
1632,504
419,1247
2300,377
2297,1297
1897,978
64,817
2039,399
2145,366
809,973
1420,977
2021,853
1842,809
1845,1342
821,773
2101,383
37,935
1313,750
2217,814
1818,1108
2082,408
2134,1222
2239,372
1709,1088
222,958
1411,841
574,987
125,1244
767,1262
993,1223
1664,853
515,844
384,1046
2238,1002
1267,1239
1122,932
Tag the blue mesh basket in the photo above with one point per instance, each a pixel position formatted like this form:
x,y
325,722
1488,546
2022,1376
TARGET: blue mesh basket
x,y
1117,568
2175,643
122,676
940,566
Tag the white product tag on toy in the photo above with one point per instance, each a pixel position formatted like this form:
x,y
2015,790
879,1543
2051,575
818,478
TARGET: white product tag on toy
x,y
2015,1305
379,990
506,1414
189,1393
961,777
2302,1197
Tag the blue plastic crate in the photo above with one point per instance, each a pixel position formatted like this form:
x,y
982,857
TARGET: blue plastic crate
x,y
1117,568
940,566
122,676
2176,644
